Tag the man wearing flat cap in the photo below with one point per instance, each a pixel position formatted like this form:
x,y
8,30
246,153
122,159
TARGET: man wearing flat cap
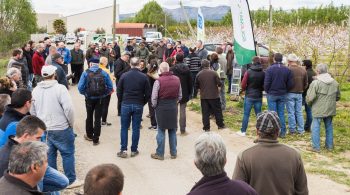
x,y
270,167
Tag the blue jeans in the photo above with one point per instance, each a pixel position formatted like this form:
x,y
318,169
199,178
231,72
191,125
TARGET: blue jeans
x,y
308,111
161,142
315,132
277,104
295,115
53,181
63,141
229,78
222,95
248,104
130,112
111,67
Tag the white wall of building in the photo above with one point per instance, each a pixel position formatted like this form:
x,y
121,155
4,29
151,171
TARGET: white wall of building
x,y
91,20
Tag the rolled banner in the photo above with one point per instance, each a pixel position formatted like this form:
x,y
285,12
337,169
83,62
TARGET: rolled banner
x,y
244,43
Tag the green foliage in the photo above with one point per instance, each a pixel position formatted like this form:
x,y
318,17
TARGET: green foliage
x,y
152,13
321,15
42,30
59,26
17,22
227,19
3,65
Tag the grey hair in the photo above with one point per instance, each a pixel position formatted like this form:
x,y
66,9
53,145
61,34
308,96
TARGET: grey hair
x,y
12,72
322,68
5,100
164,67
134,62
25,155
52,48
39,45
210,154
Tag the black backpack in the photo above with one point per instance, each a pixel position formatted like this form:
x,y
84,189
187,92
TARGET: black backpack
x,y
96,84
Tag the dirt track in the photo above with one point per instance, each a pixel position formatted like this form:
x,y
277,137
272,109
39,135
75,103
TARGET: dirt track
x,y
146,176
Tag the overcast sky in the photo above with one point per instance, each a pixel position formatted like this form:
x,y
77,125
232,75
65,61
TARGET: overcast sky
x,y
67,7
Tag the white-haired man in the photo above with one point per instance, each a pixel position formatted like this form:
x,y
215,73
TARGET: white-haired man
x,y
210,159
322,96
134,92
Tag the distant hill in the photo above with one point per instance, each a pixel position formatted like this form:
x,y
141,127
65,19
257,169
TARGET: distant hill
x,y
210,13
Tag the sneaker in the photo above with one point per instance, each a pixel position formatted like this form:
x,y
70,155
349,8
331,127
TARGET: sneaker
x,y
122,154
133,154
183,133
106,123
87,138
156,156
240,133
173,156
311,149
77,183
206,130
96,143
152,128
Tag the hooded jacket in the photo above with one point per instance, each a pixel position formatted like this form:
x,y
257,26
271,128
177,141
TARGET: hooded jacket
x,y
322,96
53,105
183,72
10,115
253,82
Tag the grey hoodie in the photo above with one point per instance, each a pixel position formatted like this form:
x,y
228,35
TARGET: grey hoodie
x,y
53,104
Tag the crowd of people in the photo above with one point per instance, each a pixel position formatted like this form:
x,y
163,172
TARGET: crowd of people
x,y
36,107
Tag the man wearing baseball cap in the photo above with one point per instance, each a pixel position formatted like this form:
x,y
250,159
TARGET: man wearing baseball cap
x,y
57,61
53,105
270,167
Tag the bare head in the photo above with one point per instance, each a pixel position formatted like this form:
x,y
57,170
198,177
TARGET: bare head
x,y
164,67
322,68
135,62
77,46
14,74
210,154
52,50
104,61
61,45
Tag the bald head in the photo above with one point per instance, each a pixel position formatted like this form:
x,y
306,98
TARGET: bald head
x,y
164,67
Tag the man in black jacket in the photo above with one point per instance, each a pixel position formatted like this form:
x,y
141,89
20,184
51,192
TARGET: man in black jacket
x,y
133,91
77,63
120,67
182,71
21,101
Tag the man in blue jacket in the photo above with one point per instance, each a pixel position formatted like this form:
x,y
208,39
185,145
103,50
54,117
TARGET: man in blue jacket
x,y
65,53
57,61
94,84
278,81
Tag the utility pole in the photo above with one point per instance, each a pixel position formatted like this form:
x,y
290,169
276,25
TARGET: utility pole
x,y
187,20
270,38
114,16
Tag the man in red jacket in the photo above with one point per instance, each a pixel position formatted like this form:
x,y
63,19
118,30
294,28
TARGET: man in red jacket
x,y
38,62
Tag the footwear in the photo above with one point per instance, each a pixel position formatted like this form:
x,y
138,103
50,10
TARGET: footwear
x,y
96,143
240,133
133,154
173,156
75,184
87,138
183,133
311,149
156,156
106,123
122,154
206,130
152,128
141,126
222,127
148,116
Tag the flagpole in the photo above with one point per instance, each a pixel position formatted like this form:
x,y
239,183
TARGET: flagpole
x,y
187,20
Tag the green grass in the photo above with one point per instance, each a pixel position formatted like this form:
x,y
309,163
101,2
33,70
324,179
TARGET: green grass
x,y
3,64
323,163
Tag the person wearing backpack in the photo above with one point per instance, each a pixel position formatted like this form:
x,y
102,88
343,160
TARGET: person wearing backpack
x,y
95,84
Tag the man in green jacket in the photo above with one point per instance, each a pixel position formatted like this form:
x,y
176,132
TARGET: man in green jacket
x,y
322,96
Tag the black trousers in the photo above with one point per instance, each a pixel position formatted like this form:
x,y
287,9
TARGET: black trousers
x,y
211,106
77,70
105,106
93,127
152,113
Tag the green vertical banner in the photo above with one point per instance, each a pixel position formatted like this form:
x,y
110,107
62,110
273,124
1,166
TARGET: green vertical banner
x,y
244,45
